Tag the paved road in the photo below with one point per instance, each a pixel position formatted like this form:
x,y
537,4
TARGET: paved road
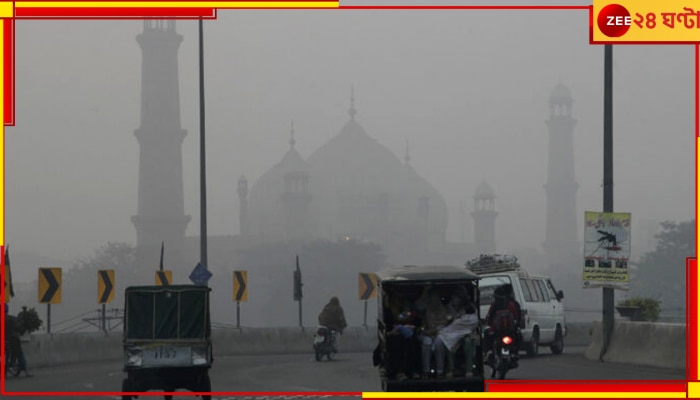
x,y
301,373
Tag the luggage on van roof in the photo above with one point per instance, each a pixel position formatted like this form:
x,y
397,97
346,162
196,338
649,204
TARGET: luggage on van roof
x,y
425,272
490,263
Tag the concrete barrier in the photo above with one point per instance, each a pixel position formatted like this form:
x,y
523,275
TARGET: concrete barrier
x,y
577,334
58,349
641,343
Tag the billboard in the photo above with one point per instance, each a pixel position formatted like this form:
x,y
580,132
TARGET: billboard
x,y
606,250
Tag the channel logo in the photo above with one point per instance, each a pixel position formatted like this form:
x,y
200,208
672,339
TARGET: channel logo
x,y
614,20
645,22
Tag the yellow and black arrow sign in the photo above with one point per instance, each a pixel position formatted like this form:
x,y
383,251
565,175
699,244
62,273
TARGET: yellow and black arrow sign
x,y
164,278
50,285
240,285
368,286
105,286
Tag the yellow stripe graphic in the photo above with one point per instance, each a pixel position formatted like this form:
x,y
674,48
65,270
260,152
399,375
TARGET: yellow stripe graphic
x,y
182,4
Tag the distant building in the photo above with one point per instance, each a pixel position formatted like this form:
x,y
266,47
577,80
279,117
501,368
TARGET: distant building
x,y
561,236
161,210
350,187
485,219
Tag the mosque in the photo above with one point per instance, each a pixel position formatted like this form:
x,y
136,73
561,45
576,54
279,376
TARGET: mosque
x,y
351,188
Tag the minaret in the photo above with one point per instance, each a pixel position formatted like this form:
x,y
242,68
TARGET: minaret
x,y
161,212
484,215
561,243
296,199
244,227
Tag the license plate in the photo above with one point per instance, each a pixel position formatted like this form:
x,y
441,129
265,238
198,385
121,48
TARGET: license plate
x,y
167,355
505,352
318,339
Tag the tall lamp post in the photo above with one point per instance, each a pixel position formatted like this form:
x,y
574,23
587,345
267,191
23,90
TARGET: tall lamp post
x,y
202,155
608,292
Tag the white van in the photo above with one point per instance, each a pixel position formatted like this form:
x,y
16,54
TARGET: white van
x,y
542,305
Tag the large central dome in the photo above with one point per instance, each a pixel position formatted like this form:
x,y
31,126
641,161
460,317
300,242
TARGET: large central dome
x,y
360,189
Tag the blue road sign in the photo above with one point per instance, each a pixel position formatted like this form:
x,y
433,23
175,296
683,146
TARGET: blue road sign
x,y
200,275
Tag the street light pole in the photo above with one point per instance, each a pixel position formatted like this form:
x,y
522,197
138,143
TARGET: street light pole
x,y
202,155
608,293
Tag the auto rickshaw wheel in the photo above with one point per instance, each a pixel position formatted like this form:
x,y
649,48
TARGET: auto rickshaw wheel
x,y
205,386
127,386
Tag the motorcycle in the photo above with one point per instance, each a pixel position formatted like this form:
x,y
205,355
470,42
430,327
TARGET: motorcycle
x,y
325,343
504,357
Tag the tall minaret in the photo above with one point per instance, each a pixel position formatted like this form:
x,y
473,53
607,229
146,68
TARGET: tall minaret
x,y
161,212
561,244
484,215
243,210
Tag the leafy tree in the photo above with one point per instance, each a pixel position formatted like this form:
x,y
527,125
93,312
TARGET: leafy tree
x,y
110,256
28,320
661,272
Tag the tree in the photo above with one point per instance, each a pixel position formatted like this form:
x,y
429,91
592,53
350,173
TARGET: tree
x,y
661,272
28,320
110,256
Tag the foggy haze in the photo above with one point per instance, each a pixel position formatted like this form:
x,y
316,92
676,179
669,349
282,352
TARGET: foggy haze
x,y
468,90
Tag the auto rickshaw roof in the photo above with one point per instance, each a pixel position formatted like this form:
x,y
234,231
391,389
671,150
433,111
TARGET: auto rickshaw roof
x,y
410,273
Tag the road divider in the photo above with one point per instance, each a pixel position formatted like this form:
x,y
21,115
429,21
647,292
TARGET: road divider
x,y
641,343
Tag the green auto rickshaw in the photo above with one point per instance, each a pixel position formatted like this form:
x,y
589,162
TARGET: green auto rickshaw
x,y
167,339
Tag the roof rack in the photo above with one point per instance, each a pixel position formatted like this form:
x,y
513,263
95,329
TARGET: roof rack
x,y
490,263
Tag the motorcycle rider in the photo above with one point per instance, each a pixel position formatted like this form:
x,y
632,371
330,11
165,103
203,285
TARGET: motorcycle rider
x,y
503,317
333,318
15,355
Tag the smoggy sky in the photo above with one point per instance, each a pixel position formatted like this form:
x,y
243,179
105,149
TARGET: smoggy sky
x,y
468,90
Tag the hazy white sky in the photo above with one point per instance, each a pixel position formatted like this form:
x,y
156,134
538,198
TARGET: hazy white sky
x,y
468,89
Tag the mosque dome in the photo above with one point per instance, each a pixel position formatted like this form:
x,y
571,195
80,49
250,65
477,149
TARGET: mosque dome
x,y
357,188
369,192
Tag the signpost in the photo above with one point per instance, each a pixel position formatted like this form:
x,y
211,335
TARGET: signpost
x,y
49,291
298,295
200,275
606,250
105,292
240,292
163,277
367,290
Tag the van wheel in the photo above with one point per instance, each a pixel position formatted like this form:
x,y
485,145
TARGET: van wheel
x,y
557,346
533,347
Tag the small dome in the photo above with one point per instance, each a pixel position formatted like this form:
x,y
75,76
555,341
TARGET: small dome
x,y
484,191
560,93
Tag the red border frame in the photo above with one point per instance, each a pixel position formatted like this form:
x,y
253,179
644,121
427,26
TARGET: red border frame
x,y
504,387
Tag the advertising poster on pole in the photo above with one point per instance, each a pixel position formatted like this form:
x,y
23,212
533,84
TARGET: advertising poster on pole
x,y
606,250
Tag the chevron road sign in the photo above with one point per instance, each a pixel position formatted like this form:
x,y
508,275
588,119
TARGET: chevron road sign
x,y
368,286
50,285
240,285
105,286
164,278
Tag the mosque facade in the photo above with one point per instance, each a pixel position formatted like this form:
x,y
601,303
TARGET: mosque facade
x,y
352,188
